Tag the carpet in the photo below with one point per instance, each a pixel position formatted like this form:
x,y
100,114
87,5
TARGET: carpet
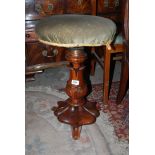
x,y
45,135
118,115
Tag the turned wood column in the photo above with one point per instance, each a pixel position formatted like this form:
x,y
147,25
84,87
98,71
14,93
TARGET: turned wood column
x,y
76,110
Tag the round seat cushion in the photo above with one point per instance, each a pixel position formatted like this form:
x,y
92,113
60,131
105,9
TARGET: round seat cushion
x,y
70,30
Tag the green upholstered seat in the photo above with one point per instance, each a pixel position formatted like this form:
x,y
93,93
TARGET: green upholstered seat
x,y
72,30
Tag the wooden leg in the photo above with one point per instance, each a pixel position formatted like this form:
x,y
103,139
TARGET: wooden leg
x,y
76,110
123,81
107,57
92,63
76,132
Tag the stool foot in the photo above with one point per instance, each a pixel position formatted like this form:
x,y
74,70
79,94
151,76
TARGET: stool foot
x,y
76,132
76,116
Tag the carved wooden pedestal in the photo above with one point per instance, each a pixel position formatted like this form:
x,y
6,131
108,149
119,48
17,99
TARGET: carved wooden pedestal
x,y
76,110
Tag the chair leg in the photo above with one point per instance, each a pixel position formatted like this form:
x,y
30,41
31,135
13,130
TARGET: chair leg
x,y
123,81
92,65
93,62
107,57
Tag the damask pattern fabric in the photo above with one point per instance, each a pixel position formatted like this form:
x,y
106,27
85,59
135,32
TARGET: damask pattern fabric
x,y
75,30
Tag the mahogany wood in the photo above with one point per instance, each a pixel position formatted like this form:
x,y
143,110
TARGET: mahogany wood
x,y
76,110
38,53
119,48
125,62
124,78
106,76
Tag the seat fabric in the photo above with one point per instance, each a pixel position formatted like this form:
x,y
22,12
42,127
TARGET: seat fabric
x,y
72,30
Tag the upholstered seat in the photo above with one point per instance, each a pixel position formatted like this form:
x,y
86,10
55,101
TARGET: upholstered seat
x,y
75,30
